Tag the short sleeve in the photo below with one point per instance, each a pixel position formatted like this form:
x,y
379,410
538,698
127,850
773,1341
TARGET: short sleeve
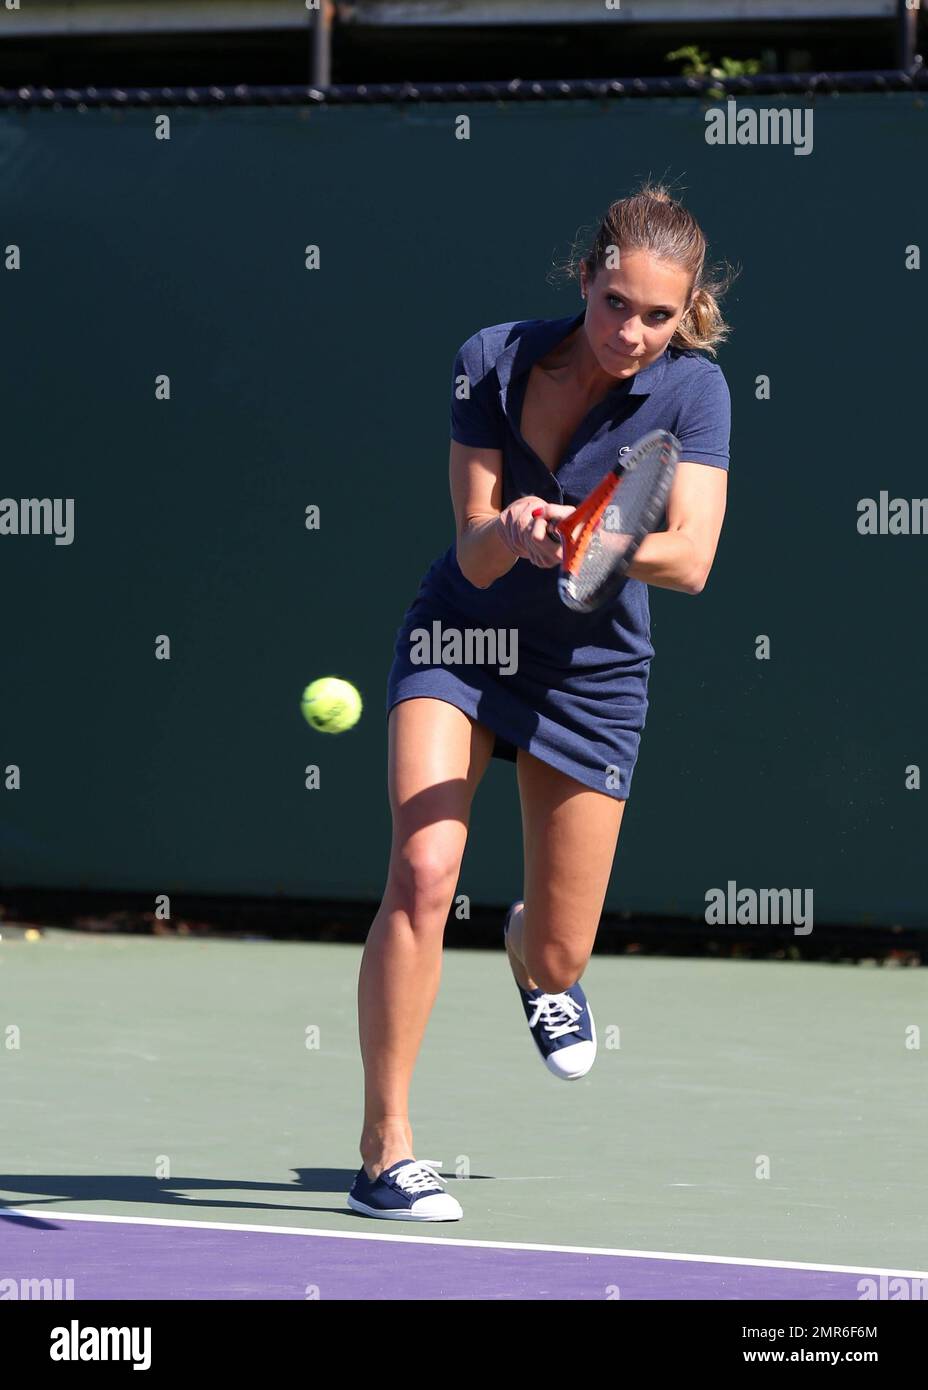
x,y
476,414
704,424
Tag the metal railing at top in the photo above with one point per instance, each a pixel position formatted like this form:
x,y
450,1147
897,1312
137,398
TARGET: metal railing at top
x,y
567,89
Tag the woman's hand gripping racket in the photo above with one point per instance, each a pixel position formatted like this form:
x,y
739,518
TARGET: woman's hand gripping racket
x,y
600,537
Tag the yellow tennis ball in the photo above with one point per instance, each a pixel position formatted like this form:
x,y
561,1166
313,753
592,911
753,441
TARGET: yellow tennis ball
x,y
331,705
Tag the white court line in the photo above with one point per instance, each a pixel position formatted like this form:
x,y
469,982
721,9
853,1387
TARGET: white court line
x,y
444,1240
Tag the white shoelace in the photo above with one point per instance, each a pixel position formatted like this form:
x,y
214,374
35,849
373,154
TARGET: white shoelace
x,y
558,1014
418,1176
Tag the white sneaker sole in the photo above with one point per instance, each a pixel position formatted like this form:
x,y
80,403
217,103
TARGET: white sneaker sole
x,y
451,1213
590,1057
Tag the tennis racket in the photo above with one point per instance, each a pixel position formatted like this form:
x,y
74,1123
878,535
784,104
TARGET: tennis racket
x,y
600,538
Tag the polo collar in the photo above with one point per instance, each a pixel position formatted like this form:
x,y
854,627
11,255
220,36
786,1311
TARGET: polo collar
x,y
517,359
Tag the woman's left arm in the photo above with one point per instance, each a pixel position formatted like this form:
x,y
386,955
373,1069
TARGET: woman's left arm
x,y
681,557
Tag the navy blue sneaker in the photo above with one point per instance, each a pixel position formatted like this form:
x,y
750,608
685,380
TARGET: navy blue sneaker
x,y
561,1024
407,1191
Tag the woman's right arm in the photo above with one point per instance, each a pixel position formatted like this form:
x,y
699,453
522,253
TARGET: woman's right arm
x,y
490,540
476,492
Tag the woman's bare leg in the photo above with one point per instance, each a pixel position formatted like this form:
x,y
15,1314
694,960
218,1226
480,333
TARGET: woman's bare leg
x,y
569,836
437,756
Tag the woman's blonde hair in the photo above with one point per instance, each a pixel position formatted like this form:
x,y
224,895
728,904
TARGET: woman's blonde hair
x,y
652,220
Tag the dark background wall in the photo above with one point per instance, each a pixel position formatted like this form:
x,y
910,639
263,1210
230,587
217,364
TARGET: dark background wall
x,y
292,387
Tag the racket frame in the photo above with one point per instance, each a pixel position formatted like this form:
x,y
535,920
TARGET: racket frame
x,y
588,515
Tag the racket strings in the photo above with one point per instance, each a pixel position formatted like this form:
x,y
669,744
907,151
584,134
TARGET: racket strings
x,y
609,536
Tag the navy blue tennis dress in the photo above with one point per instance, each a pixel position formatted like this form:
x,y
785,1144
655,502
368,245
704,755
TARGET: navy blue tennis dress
x,y
575,695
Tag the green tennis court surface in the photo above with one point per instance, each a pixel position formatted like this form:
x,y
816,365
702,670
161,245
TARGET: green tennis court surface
x,y
757,1111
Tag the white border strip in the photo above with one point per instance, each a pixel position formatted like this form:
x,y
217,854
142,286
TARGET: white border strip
x,y
444,1240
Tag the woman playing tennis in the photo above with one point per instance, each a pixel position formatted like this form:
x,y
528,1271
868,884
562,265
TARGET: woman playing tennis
x,y
541,410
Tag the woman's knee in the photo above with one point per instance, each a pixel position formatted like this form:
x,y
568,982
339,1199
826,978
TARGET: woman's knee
x,y
424,875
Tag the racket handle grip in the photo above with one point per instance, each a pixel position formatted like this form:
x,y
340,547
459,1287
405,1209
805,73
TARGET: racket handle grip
x,y
553,533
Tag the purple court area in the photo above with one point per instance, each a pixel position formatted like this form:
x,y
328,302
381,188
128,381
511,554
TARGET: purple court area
x,y
116,1260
